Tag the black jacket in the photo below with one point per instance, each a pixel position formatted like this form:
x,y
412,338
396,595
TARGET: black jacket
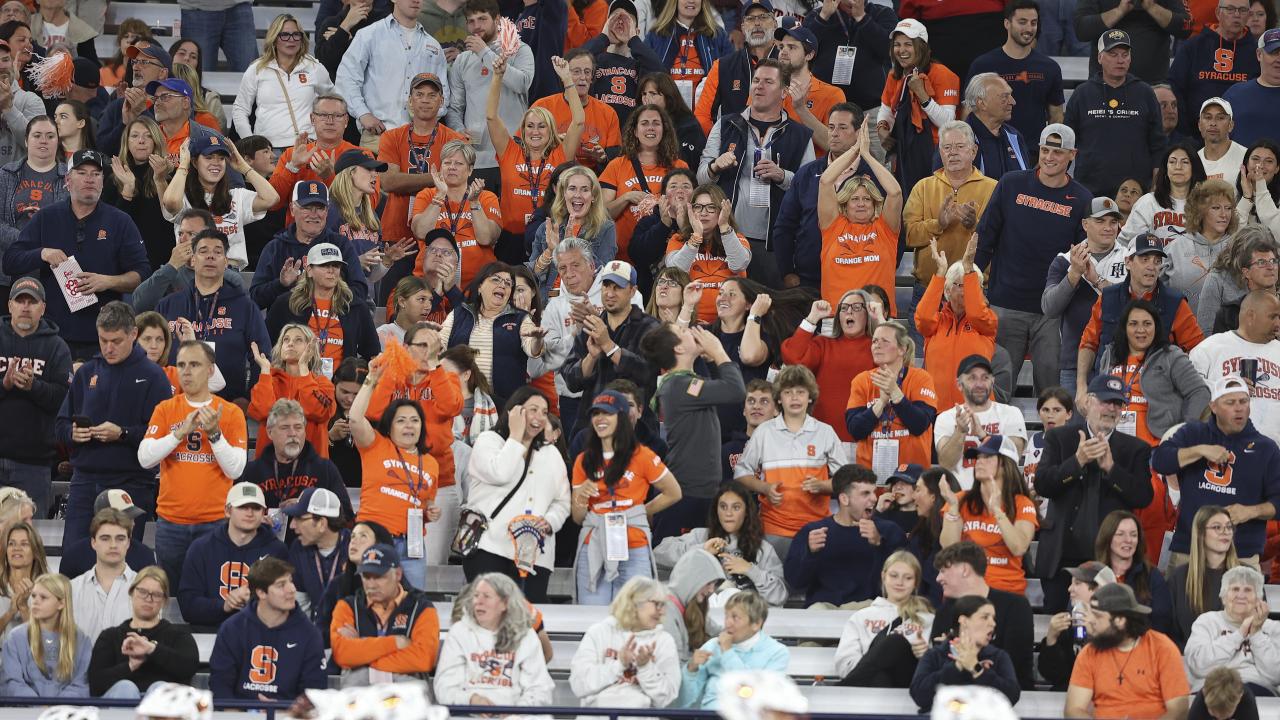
x,y
631,366
937,668
1015,632
175,660
1055,662
1120,130
1068,531
29,414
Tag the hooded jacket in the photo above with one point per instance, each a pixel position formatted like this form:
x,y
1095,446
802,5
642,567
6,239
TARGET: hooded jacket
x,y
597,676
697,568
313,573
700,689
948,339
286,481
440,396
920,217
215,566
863,626
229,320
251,659
266,285
28,435
1120,127
470,665
469,79
544,27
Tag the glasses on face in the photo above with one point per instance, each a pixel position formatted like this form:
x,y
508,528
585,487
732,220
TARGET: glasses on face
x,y
1265,263
704,207
666,282
148,595
1224,528
440,252
144,63
295,36
500,281
852,307
166,98
329,117
1229,10
757,18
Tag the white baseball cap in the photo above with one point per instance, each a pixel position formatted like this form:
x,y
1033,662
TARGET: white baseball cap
x,y
912,28
323,254
1228,384
246,493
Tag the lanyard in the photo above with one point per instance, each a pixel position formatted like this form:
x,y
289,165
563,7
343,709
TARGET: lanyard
x,y
534,176
886,420
203,321
454,219
333,569
423,150
322,333
413,489
292,469
1130,379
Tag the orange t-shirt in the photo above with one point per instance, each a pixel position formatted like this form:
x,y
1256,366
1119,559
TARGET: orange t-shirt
x,y
327,328
193,488
620,176
1152,672
942,84
171,372
1131,374
822,97
687,65
600,124
415,155
710,271
857,254
524,184
457,219
917,386
439,393
631,489
393,483
312,391
1004,569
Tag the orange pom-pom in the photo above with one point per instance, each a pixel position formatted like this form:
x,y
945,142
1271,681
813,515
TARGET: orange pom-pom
x,y
397,365
54,74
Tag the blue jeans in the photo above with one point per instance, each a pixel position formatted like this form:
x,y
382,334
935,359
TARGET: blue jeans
x,y
34,480
172,542
1058,29
84,491
637,564
415,569
123,690
231,29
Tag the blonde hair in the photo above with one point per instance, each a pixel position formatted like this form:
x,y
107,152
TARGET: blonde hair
x,y
269,43
846,191
635,591
151,572
703,24
277,350
304,291
915,607
65,626
751,603
12,500
1203,194
550,121
1198,596
354,206
158,146
596,217
188,74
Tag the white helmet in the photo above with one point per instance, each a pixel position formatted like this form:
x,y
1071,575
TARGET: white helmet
x,y
389,701
69,712
970,702
179,702
747,694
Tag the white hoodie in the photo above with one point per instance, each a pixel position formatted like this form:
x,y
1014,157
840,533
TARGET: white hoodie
x,y
468,664
596,673
863,626
1216,642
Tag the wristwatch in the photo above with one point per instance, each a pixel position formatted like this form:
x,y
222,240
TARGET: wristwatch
x,y
753,318
215,436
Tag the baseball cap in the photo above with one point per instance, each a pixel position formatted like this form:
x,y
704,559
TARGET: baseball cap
x,y
1114,39
612,402
1147,244
1228,384
764,4
995,445
800,33
86,73
358,158
1108,388
209,143
619,272
116,499
426,78
378,559
151,50
27,286
1066,136
912,28
626,5
1226,106
1117,598
89,157
246,493
177,85
1102,207
315,501
1270,40
1093,572
440,234
310,192
971,362
908,473
323,254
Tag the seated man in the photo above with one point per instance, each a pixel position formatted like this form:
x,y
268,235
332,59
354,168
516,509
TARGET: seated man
x,y
213,587
289,464
100,597
79,557
269,650
386,631
319,550
178,274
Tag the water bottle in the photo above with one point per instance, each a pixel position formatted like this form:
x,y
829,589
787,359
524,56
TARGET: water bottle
x,y
1078,631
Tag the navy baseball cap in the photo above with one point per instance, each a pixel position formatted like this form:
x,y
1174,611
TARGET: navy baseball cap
x,y
379,559
440,234
908,473
749,4
1270,41
995,445
209,143
1147,244
358,158
800,33
153,51
612,402
177,85
310,192
1108,388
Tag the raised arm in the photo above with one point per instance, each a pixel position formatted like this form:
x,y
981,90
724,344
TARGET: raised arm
x,y
828,206
498,131
361,431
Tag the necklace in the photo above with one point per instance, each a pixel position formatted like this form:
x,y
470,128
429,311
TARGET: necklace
x,y
1120,674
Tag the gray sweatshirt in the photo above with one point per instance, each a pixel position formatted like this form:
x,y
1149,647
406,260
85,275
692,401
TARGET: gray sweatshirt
x,y
22,677
1218,289
1190,257
687,406
13,124
469,79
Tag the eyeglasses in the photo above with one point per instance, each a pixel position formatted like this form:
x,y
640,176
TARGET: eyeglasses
x,y
329,117
148,595
1265,263
499,281
143,63
758,18
666,282
1224,528
1228,10
705,207
295,36
166,97
440,252
852,307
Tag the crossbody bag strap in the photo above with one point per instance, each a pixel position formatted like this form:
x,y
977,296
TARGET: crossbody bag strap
x,y
288,102
528,459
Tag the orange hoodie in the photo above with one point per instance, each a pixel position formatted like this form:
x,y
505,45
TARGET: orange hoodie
x,y
381,653
440,395
948,339
313,391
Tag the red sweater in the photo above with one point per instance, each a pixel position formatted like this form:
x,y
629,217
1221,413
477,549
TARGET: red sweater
x,y
926,10
835,362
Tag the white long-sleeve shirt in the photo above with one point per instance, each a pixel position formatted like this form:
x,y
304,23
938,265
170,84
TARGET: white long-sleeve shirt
x,y
494,469
261,86
377,68
469,665
1216,642
596,672
863,626
230,458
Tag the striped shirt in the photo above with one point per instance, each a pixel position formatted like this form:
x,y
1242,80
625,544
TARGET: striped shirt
x,y
775,454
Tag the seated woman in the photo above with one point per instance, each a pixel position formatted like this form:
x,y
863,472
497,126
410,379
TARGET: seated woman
x,y
691,584
955,320
968,658
628,660
1194,587
733,534
742,645
24,561
924,540
1240,636
145,649
1067,633
47,656
882,643
322,301
1122,546
491,656
157,342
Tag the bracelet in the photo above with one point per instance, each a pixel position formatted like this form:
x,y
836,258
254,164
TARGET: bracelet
x,y
614,351
215,436
951,516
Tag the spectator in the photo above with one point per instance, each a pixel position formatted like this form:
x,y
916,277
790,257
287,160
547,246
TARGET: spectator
x,y
975,419
1050,201
600,135
621,58
206,104
1195,586
75,127
853,539
470,212
114,266
1151,24
286,442
319,520
320,298
1161,211
892,408
1257,181
923,538
29,185
174,111
1035,79
342,449
650,150
726,257
565,312
809,100
138,186
1226,638
1118,624
1001,148
270,625
176,273
961,568
881,643
1224,694
212,436
1250,99
54,24
37,370
111,421
1210,225
23,108
759,407
1057,651
294,372
1123,140
1229,353
515,337
1248,264
1209,63
628,659
219,314
725,90
1222,157
24,561
412,300
689,39
145,649
100,596
1122,546
864,27
394,47
1055,409
313,154
47,656
660,89
384,627
1127,194
479,413
286,65
578,211
518,441
742,645
694,578
970,658
956,322
79,557
355,195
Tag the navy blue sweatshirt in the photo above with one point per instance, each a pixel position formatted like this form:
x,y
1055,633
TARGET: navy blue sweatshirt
x,y
125,394
266,285
847,568
215,566
1204,67
228,319
1024,227
543,27
1118,131
614,71
28,430
797,241
1036,81
1248,478
285,481
251,659
106,241
313,572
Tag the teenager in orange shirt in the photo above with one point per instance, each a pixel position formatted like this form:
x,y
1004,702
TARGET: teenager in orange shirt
x,y
399,477
892,408
600,134
293,372
650,150
471,213
996,515
612,477
709,247
859,225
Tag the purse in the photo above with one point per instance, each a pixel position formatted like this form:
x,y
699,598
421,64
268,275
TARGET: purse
x,y
472,524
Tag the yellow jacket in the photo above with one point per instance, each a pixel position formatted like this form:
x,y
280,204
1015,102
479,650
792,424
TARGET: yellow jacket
x,y
920,217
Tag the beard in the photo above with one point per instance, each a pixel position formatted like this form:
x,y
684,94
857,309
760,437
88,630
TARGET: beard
x,y
977,396
1108,639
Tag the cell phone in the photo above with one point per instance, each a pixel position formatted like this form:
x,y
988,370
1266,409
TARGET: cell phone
x,y
81,421
1249,369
